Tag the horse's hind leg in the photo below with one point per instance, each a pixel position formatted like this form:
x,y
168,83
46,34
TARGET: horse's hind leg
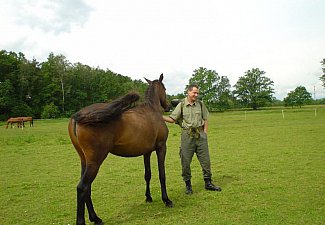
x,y
91,211
147,176
84,195
88,174
161,154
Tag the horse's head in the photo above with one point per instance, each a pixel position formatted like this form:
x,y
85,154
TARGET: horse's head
x,y
160,90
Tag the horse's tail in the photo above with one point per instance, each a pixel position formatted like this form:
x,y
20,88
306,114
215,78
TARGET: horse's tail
x,y
74,127
93,116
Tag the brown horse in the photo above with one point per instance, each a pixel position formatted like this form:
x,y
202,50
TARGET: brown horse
x,y
20,121
13,120
124,130
27,119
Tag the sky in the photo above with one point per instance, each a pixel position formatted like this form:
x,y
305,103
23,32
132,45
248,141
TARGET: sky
x,y
144,38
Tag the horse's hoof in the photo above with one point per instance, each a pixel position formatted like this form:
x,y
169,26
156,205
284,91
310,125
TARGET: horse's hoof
x,y
169,204
148,199
98,221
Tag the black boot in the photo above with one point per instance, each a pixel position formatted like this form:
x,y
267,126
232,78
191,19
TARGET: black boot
x,y
188,190
210,186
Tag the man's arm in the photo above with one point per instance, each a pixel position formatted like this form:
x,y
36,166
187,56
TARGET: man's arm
x,y
205,126
168,119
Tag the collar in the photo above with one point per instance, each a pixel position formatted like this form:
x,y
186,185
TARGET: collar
x,y
188,103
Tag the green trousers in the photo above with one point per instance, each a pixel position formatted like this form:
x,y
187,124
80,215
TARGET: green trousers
x,y
191,144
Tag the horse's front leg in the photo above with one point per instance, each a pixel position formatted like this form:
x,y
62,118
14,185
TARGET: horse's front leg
x,y
147,176
161,154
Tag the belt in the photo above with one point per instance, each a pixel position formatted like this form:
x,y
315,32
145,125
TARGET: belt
x,y
194,131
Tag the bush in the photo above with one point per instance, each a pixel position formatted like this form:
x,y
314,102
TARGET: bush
x,y
50,111
21,109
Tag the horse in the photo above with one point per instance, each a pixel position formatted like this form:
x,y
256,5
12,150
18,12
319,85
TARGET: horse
x,y
13,120
26,119
123,129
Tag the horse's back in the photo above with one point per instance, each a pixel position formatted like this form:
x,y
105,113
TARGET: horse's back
x,y
103,113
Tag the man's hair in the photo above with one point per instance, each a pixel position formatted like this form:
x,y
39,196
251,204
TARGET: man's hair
x,y
191,86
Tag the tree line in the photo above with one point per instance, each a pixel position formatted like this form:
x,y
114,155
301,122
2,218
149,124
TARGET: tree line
x,y
58,88
252,90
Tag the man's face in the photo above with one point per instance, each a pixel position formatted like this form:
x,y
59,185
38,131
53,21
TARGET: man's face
x,y
193,94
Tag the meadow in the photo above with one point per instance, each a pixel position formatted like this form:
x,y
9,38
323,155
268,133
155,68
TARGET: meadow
x,y
271,169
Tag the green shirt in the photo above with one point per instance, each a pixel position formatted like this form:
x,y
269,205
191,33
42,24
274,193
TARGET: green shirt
x,y
193,116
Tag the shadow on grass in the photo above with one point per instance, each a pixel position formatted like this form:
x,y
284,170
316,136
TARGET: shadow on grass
x,y
225,180
156,212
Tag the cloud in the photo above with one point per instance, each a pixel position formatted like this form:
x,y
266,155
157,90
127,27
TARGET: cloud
x,y
51,16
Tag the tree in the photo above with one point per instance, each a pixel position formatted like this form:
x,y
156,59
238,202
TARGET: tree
x,y
224,100
322,78
215,90
57,68
6,98
9,63
30,85
50,111
10,88
253,89
299,97
83,87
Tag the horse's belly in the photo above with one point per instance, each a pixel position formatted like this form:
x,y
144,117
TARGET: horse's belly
x,y
135,135
131,149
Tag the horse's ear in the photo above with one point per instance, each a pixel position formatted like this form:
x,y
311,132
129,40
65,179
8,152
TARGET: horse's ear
x,y
149,81
161,77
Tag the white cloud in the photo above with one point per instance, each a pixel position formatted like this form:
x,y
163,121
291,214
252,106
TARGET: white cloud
x,y
51,16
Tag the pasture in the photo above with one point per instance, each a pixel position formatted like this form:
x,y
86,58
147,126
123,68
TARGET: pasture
x,y
271,169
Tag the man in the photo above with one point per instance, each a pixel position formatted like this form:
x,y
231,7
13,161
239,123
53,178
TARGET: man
x,y
192,115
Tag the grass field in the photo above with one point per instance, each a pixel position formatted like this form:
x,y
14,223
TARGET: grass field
x,y
271,169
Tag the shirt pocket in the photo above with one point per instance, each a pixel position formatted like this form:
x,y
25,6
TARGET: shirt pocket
x,y
198,117
187,118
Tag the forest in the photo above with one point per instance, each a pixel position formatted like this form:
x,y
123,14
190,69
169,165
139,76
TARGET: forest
x,y
56,88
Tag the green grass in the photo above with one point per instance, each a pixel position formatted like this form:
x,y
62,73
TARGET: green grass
x,y
272,171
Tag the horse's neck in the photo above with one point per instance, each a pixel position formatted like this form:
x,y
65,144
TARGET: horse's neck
x,y
153,100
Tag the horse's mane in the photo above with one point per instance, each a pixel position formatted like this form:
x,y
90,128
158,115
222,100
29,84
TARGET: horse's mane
x,y
97,114
150,92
